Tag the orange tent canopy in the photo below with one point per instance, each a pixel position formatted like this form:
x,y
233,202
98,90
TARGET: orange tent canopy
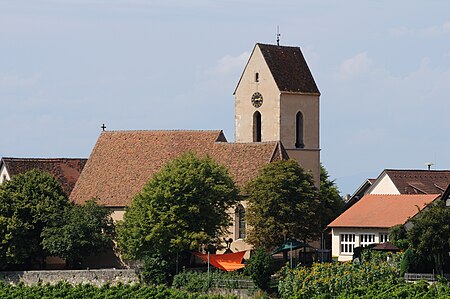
x,y
227,262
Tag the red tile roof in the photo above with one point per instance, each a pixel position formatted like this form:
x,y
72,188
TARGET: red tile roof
x,y
289,68
65,170
383,211
419,181
123,161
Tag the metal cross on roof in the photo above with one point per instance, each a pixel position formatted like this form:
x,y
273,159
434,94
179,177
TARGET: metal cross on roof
x,y
103,127
278,35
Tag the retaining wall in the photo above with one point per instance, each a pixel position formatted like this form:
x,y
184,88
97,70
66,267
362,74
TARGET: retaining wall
x,y
96,277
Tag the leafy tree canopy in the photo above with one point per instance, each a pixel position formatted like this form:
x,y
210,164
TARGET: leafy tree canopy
x,y
430,234
282,203
80,231
182,207
399,237
331,201
28,203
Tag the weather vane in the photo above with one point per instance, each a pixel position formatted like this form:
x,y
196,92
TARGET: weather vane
x,y
278,35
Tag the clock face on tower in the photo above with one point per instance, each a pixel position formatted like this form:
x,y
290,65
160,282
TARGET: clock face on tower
x,y
257,99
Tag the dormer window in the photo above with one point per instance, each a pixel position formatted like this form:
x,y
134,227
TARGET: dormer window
x,y
256,77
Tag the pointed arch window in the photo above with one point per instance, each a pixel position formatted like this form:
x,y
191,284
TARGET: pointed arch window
x,y
257,126
299,130
240,221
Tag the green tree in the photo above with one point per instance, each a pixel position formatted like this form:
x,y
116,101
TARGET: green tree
x,y
182,207
430,234
260,268
282,203
80,231
399,237
28,203
330,200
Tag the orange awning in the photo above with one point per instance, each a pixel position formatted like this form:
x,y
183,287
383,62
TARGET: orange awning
x,y
227,262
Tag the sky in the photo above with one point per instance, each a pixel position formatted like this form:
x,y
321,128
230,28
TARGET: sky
x,y
383,69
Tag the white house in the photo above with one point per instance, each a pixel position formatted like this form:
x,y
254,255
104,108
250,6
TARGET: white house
x,y
65,170
403,181
369,219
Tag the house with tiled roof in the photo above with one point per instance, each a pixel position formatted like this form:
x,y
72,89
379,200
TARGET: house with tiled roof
x,y
65,170
368,220
403,181
276,117
359,193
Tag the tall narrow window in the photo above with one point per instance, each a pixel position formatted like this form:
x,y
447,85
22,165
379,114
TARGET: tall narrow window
x,y
347,243
366,239
257,127
299,130
384,238
256,77
240,213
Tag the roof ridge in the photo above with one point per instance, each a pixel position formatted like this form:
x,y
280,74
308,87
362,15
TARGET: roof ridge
x,y
254,143
165,131
271,45
420,170
41,159
404,195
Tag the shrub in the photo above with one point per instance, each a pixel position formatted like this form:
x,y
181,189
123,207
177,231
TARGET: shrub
x,y
202,282
155,270
259,268
376,276
336,278
64,290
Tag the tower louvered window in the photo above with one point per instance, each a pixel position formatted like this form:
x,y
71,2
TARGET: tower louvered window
x,y
257,126
299,130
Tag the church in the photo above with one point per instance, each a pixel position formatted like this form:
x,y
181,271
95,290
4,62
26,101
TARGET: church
x,y
276,104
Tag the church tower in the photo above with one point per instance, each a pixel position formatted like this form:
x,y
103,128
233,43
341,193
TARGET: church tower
x,y
277,99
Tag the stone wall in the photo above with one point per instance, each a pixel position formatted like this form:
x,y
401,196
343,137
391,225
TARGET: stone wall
x,y
96,277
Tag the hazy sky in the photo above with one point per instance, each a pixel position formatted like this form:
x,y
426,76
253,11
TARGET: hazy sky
x,y
383,68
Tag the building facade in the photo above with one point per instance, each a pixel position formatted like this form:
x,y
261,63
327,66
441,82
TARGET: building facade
x,y
277,99
368,220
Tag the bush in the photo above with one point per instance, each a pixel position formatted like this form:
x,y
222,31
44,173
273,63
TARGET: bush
x,y
336,278
192,281
415,263
376,276
259,268
202,282
64,290
155,271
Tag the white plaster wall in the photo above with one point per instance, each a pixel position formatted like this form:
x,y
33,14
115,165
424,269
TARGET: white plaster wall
x,y
384,186
309,160
3,173
237,244
117,214
243,107
335,250
309,106
335,239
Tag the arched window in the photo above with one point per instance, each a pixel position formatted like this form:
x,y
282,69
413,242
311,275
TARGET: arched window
x,y
257,127
240,221
299,130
